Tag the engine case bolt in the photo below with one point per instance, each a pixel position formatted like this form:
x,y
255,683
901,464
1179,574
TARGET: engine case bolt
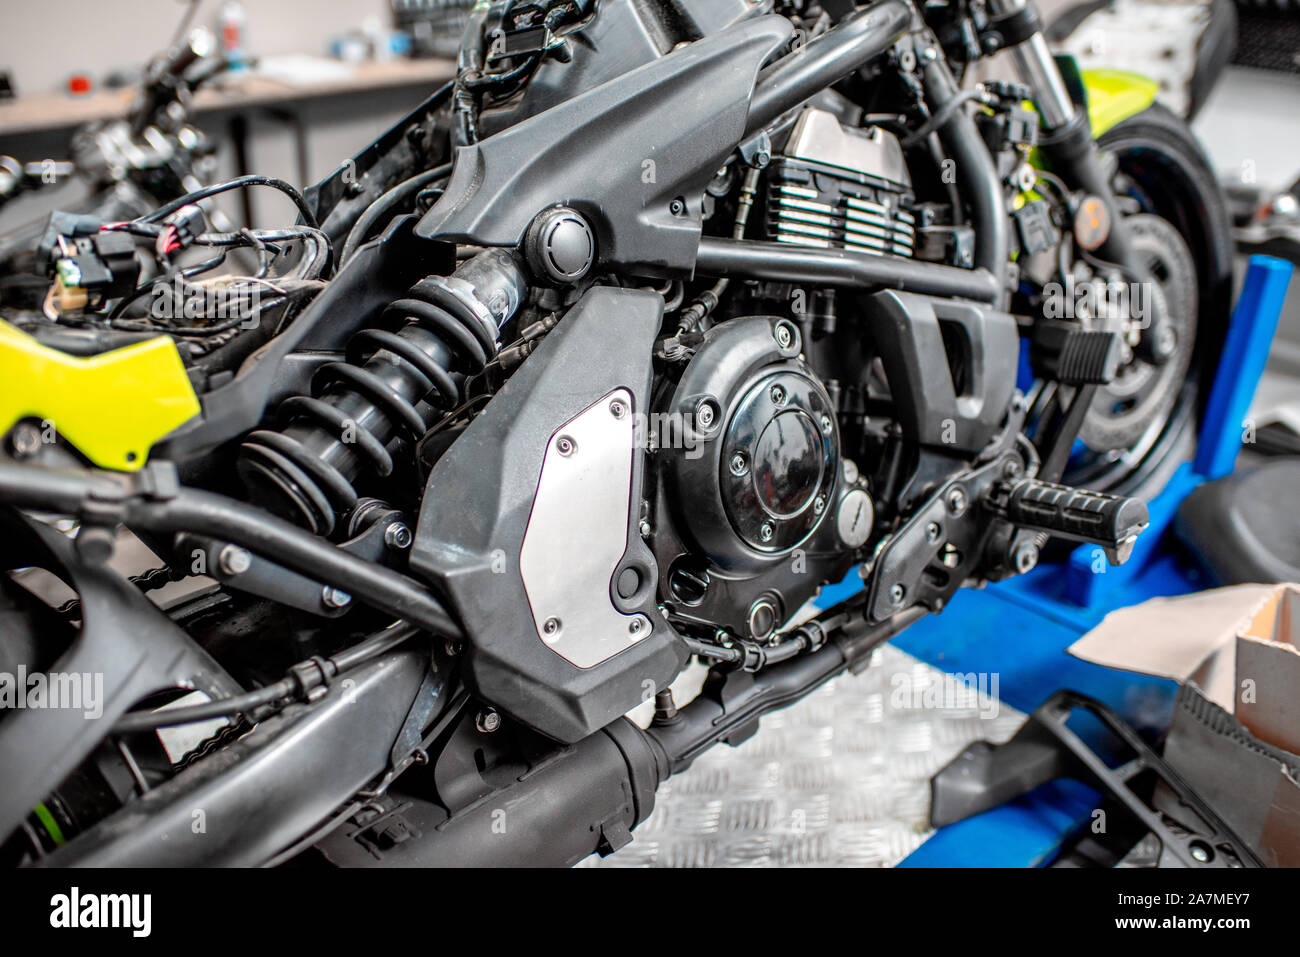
x,y
819,504
778,395
783,335
766,531
398,536
487,721
932,532
739,464
827,425
333,597
233,560
706,413
957,501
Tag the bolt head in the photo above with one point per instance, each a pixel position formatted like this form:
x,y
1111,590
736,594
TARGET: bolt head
x,y
897,594
827,425
932,532
397,535
565,445
766,531
778,395
819,504
551,627
617,409
234,560
957,501
333,597
487,721
739,464
783,335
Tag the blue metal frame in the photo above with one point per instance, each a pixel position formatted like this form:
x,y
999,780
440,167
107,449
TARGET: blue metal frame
x,y
1020,628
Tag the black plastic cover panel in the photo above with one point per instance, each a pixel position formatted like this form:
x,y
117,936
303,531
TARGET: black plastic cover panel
x,y
476,510
620,153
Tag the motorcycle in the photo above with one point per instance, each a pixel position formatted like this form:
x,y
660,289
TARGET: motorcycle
x,y
132,164
608,357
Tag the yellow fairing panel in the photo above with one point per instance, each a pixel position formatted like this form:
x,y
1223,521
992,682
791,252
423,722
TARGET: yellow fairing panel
x,y
112,407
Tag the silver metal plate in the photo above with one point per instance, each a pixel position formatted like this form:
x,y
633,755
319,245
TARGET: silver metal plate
x,y
577,534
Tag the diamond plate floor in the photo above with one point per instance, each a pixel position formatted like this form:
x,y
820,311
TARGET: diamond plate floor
x,y
839,779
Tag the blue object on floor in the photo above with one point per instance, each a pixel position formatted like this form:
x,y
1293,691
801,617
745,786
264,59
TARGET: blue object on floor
x,y
1019,629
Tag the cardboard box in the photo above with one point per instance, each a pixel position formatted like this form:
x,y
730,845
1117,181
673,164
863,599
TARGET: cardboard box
x,y
1235,735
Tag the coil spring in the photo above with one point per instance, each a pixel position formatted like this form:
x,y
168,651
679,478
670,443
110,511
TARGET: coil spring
x,y
393,384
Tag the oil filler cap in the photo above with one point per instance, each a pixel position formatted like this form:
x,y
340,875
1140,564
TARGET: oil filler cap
x,y
560,245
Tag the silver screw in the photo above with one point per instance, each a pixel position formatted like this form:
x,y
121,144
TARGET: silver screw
x,y
739,464
957,501
1199,853
827,425
397,536
487,721
1026,558
565,445
25,440
635,625
233,560
766,531
335,597
819,504
705,414
783,335
644,528
551,627
932,532
617,409
778,395
897,593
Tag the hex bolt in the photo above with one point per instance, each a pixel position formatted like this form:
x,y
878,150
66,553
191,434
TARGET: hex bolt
x,y
617,409
783,335
487,720
932,532
644,528
957,501
778,395
827,425
677,207
333,597
706,413
897,594
819,504
766,531
1026,557
565,445
398,536
739,464
233,560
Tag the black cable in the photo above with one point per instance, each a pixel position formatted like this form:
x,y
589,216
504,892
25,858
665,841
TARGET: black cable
x,y
291,686
240,182
385,203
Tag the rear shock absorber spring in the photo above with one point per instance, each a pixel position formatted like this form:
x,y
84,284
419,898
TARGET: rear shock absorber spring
x,y
394,383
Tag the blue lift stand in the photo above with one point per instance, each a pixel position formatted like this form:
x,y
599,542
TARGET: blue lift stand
x,y
1019,629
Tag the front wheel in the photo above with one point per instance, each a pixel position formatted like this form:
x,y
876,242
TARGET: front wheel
x,y
1143,425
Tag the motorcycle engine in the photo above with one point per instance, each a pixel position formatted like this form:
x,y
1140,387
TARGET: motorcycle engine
x,y
761,505
755,508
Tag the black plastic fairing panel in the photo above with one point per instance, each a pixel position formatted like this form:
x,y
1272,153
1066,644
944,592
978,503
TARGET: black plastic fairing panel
x,y
951,367
647,138
477,507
